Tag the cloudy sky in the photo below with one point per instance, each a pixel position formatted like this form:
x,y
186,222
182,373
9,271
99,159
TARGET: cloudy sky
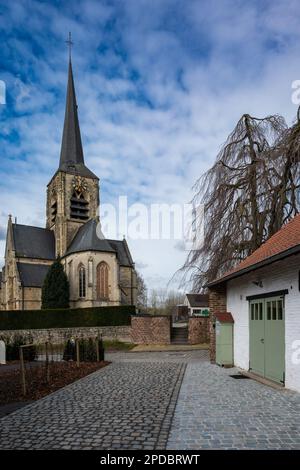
x,y
160,84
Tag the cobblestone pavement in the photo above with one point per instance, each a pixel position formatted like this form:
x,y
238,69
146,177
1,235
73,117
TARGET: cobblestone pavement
x,y
123,406
130,405
166,356
215,411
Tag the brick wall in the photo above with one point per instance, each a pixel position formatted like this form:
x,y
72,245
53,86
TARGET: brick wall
x,y
198,330
217,303
146,329
59,335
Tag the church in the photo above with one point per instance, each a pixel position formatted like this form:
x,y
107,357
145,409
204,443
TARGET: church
x,y
101,272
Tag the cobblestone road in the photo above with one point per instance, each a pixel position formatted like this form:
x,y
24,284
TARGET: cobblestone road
x,y
130,405
215,411
123,406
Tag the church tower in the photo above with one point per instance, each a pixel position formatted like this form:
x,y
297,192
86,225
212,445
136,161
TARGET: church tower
x,y
73,192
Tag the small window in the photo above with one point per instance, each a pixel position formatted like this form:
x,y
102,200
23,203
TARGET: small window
x,y
268,310
260,311
90,271
274,310
279,310
252,311
82,288
256,311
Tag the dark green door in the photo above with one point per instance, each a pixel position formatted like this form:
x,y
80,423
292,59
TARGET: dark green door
x,y
267,343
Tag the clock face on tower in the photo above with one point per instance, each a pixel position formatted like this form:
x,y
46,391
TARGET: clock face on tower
x,y
79,184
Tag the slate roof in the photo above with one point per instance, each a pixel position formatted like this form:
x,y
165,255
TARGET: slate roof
x,y
198,300
283,243
87,239
32,275
33,242
71,155
123,253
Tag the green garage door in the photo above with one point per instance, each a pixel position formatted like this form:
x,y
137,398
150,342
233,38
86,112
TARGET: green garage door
x,y
267,344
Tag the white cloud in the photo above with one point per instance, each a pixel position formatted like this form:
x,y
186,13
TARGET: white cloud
x,y
155,105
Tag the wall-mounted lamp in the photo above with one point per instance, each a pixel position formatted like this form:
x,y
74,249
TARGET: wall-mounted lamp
x,y
258,283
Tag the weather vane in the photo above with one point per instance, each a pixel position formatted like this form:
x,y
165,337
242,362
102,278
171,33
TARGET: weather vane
x,y
70,44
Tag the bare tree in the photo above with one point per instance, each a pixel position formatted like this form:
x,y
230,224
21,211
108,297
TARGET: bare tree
x,y
248,194
163,301
141,298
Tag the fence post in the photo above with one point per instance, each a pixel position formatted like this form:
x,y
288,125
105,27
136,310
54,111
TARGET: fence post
x,y
77,352
23,378
97,349
47,363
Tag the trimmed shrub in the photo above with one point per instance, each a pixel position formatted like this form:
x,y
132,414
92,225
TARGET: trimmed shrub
x,y
55,290
66,318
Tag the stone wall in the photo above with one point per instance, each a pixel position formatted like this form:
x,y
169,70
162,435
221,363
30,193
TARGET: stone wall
x,y
217,303
146,329
59,335
198,330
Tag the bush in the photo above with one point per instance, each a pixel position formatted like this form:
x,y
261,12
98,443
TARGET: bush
x,y
87,350
55,290
66,318
13,348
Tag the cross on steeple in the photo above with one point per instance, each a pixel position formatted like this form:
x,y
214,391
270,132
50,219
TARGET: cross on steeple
x,y
70,43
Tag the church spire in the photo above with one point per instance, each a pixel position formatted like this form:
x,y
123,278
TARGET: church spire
x,y
71,147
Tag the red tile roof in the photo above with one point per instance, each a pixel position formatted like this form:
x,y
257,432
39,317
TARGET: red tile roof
x,y
285,239
224,317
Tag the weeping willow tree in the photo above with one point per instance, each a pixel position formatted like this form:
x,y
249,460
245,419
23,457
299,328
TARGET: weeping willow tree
x,y
248,194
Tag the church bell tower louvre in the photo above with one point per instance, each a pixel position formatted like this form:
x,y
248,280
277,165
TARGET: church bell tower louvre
x,y
73,192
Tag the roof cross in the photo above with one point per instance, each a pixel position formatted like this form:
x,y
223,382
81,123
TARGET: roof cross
x,y
70,44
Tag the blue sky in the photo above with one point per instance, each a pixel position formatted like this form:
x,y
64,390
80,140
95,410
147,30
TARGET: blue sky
x,y
160,84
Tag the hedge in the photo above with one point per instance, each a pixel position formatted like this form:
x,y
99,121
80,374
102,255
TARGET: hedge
x,y
66,318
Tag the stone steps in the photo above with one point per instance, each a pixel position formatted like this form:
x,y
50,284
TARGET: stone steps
x,y
179,335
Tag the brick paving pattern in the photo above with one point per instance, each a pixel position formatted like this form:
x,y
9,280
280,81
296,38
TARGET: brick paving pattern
x,y
123,406
215,411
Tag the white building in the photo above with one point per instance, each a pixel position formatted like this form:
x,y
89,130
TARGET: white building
x,y
263,295
197,304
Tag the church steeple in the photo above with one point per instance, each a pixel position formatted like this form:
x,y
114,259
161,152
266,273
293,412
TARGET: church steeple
x,y
71,147
71,154
73,191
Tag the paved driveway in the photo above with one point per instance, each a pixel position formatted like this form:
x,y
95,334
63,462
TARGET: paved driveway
x,y
158,400
215,411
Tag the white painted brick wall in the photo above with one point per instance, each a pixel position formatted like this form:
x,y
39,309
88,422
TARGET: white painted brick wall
x,y
278,276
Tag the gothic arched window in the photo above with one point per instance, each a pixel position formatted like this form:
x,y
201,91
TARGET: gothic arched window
x,y
102,280
82,281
